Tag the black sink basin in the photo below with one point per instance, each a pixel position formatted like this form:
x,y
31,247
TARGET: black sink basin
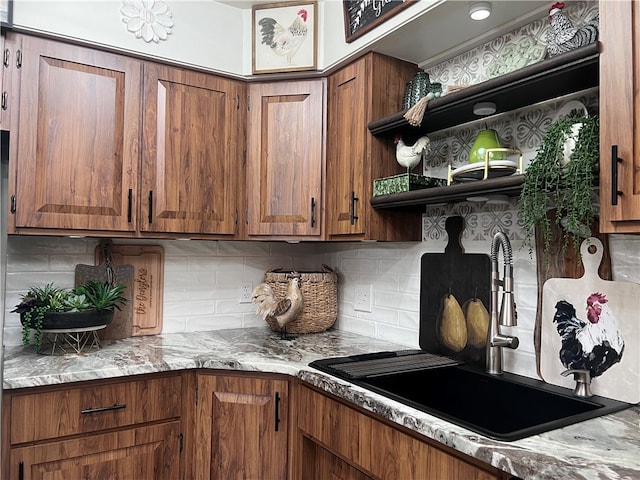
x,y
505,407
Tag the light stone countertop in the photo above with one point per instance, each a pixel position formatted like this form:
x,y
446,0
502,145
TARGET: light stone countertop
x,y
603,448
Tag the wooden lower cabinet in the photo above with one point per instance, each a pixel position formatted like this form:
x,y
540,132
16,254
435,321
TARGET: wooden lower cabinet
x,y
209,424
242,427
320,464
340,442
126,428
151,452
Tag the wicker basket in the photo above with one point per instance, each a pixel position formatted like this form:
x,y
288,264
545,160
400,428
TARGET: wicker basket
x,y
320,295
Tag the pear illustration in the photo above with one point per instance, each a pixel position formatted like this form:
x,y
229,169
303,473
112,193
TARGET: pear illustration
x,y
451,325
477,319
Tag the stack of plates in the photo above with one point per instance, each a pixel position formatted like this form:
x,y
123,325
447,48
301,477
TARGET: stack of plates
x,y
476,171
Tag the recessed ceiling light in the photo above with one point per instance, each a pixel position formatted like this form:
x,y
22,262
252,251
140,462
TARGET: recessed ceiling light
x,y
479,10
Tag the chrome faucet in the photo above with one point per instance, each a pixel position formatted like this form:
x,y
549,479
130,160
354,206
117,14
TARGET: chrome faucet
x,y
507,314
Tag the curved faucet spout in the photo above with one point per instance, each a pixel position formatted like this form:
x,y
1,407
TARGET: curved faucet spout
x,y
505,315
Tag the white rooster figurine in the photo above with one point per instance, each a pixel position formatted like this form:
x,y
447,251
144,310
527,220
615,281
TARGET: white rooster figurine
x,y
283,310
410,155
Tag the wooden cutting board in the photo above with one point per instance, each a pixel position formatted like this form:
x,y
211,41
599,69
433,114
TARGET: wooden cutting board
x,y
558,265
148,284
121,325
464,276
621,312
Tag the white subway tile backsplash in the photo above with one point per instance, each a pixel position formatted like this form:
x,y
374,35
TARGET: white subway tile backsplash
x,y
396,300
396,334
359,265
201,279
213,322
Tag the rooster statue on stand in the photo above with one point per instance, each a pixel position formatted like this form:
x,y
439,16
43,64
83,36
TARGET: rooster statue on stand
x,y
410,155
281,310
563,37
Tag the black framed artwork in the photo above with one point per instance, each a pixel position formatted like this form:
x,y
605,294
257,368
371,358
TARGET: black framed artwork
x,y
361,16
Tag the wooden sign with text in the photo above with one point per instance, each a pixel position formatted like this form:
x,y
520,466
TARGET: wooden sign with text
x,y
361,16
148,284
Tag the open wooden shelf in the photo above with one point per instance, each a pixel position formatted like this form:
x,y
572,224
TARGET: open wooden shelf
x,y
551,78
510,186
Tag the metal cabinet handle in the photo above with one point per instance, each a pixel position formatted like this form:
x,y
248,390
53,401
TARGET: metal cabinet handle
x,y
615,160
130,205
88,411
150,206
352,208
277,406
313,212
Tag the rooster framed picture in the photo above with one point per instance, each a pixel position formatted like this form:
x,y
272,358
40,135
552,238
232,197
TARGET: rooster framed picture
x,y
284,37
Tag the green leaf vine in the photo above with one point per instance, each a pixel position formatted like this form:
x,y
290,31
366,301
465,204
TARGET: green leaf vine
x,y
548,185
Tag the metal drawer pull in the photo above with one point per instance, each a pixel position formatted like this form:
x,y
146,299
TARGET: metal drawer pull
x,y
615,160
103,409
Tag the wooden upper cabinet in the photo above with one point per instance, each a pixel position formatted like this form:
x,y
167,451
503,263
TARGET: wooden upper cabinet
x,y
193,152
367,89
619,116
285,160
242,427
79,133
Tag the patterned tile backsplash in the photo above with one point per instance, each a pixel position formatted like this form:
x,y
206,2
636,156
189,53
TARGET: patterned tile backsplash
x,y
202,278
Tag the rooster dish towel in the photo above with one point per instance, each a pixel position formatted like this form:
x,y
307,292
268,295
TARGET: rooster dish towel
x,y
592,324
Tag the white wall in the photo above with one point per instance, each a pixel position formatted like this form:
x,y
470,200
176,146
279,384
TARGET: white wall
x,y
206,34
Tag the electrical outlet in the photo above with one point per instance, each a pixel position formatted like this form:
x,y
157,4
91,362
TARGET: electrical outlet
x,y
246,288
362,298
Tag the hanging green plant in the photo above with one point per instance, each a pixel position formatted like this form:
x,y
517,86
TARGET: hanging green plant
x,y
551,182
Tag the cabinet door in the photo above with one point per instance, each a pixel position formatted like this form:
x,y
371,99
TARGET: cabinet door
x,y
242,428
193,152
346,150
619,116
144,453
372,446
79,133
285,159
369,88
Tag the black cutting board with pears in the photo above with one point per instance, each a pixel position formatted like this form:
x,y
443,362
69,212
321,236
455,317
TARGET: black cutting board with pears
x,y
448,281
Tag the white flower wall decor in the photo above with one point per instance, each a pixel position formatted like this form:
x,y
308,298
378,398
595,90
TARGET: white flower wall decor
x,y
147,19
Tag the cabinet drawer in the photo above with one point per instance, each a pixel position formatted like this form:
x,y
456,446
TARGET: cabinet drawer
x,y
61,412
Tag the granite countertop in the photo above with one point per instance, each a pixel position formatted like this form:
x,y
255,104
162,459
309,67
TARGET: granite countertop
x,y
603,448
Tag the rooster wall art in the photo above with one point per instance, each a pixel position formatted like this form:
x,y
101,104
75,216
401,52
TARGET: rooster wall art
x,y
286,39
594,344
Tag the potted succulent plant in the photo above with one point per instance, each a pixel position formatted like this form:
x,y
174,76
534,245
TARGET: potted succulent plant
x,y
562,176
51,307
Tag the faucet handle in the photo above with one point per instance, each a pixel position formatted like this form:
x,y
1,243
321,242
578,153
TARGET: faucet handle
x,y
583,381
